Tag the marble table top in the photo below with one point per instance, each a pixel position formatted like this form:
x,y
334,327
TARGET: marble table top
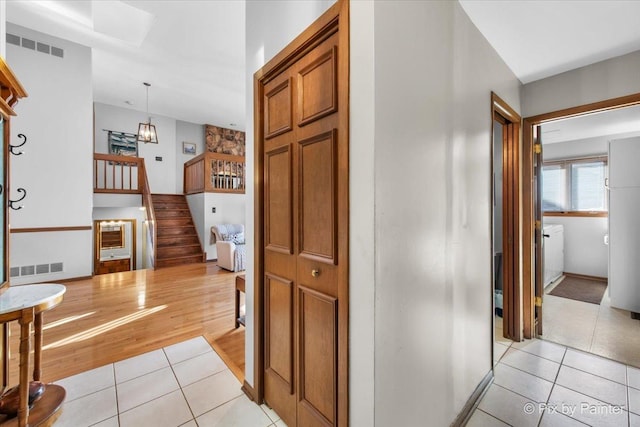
x,y
42,296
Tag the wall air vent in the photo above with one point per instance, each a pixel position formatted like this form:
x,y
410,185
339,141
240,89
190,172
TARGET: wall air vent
x,y
30,270
44,48
29,44
56,51
27,270
57,267
42,268
35,45
13,39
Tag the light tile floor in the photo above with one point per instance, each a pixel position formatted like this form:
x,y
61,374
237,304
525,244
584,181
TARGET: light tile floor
x,y
599,329
540,383
183,385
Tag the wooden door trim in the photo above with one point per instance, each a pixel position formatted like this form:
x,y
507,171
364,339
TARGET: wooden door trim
x,y
336,17
96,242
512,315
528,201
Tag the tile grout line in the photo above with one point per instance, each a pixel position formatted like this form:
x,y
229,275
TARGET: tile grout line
x,y
537,355
115,386
553,384
193,417
573,367
595,326
492,416
628,397
180,387
511,391
527,372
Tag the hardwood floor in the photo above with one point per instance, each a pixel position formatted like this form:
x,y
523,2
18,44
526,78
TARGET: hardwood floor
x,y
116,316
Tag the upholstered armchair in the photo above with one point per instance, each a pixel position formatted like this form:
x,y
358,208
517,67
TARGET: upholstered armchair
x,y
230,246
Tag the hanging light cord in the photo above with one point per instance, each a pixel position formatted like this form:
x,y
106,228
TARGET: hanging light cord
x,y
147,85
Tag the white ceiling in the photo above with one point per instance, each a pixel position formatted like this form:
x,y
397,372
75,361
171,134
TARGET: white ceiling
x,y
538,39
192,52
614,122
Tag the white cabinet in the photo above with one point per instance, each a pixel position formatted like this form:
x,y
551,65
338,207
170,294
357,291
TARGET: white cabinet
x,y
553,247
624,224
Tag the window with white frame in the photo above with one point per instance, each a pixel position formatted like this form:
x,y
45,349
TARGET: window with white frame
x,y
576,185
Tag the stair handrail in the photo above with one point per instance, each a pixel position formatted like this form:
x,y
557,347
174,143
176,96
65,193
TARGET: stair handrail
x,y
147,202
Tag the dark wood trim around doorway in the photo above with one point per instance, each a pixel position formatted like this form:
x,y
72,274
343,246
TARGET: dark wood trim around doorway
x,y
510,120
528,200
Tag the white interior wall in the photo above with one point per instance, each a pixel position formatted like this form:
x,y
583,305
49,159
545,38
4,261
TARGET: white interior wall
x,y
161,174
187,132
72,248
596,146
433,243
596,82
107,200
3,28
57,120
196,206
262,43
584,248
230,209
362,249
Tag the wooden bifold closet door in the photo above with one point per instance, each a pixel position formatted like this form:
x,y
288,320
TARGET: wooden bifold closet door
x,y
304,150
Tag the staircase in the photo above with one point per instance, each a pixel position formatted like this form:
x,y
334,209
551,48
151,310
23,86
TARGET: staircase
x,y
178,241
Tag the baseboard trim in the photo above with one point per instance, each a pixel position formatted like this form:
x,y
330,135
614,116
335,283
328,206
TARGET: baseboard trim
x,y
50,229
474,399
587,277
73,279
249,391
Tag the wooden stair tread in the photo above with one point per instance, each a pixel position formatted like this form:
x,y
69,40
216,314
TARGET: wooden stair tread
x,y
179,256
177,238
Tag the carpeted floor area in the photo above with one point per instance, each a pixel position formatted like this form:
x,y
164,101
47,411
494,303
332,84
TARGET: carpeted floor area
x,y
579,289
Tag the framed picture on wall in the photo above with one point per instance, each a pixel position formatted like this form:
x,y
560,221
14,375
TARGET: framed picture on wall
x,y
123,144
189,148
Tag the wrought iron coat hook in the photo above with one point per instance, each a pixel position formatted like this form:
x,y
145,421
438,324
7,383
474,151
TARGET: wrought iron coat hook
x,y
15,147
12,202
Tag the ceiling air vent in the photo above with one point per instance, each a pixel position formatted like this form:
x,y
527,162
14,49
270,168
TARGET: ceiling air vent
x,y
35,45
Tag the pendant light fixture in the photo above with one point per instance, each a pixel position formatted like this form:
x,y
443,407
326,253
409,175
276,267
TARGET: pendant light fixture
x,y
147,131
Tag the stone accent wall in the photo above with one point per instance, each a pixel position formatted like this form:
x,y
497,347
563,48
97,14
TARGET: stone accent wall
x,y
226,141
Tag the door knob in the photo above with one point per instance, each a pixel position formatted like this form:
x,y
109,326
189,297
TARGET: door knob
x,y
315,273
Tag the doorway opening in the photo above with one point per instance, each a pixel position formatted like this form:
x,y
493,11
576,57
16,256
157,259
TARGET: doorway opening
x,y
570,217
115,245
